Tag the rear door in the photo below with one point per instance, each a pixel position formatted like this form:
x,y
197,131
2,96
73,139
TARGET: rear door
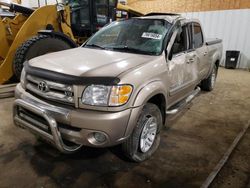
x,y
200,50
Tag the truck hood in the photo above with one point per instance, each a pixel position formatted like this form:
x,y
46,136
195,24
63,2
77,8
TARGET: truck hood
x,y
88,62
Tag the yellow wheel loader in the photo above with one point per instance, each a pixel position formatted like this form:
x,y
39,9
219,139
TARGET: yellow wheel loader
x,y
51,28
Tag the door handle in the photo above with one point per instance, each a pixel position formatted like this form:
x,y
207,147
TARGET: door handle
x,y
191,60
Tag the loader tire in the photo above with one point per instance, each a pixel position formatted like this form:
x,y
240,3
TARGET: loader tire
x,y
34,47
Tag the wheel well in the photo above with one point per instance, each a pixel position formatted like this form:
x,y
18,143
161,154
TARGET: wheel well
x,y
59,35
160,101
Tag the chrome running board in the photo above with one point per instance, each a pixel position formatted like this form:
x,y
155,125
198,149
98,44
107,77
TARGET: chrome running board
x,y
175,109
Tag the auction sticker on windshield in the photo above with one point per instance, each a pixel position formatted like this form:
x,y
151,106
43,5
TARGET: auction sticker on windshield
x,y
151,35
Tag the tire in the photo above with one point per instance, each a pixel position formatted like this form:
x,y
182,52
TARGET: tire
x,y
209,83
34,47
133,146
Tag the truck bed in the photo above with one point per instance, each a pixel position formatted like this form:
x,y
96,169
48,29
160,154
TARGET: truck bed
x,y
212,41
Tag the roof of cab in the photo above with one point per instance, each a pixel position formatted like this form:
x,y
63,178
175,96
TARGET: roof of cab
x,y
169,17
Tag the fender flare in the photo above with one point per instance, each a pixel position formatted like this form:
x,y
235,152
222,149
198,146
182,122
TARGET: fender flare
x,y
148,91
59,35
144,94
214,59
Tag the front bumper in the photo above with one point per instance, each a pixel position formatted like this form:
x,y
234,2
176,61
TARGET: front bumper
x,y
69,128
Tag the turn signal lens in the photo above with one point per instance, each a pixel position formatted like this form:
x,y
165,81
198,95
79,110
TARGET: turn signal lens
x,y
120,95
123,99
125,90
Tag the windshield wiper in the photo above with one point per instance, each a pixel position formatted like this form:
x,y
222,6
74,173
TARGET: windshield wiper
x,y
95,46
129,49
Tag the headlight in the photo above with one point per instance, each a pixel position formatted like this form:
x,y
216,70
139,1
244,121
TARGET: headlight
x,y
22,78
96,95
101,95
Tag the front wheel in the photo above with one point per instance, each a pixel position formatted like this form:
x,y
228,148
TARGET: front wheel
x,y
209,83
145,138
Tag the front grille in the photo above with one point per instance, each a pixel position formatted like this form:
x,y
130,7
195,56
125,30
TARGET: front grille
x,y
50,90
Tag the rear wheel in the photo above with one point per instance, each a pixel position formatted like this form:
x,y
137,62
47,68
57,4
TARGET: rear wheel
x,y
145,138
34,47
209,83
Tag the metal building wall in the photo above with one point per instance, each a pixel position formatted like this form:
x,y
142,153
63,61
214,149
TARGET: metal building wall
x,y
232,26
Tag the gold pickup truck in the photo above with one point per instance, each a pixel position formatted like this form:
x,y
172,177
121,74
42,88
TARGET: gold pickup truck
x,y
119,86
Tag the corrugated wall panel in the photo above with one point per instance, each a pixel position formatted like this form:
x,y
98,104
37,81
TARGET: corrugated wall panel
x,y
232,26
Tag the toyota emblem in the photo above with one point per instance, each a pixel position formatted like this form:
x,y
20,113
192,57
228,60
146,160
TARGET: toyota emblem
x,y
43,87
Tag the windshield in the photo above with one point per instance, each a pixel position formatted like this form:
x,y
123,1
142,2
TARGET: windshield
x,y
143,36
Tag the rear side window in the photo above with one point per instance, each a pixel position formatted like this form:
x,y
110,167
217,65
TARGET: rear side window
x,y
181,41
197,36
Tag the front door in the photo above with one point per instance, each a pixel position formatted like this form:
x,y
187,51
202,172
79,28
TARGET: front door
x,y
183,65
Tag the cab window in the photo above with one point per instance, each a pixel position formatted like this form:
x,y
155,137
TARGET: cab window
x,y
80,12
197,36
102,12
